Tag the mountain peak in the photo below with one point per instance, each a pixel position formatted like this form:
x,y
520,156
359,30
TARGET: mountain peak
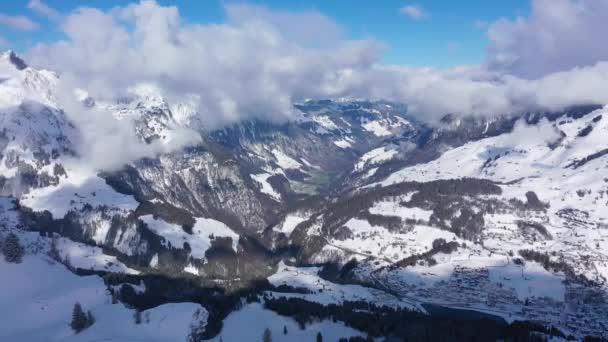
x,y
14,59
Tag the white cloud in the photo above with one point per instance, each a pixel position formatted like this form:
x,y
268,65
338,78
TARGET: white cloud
x,y
17,22
42,8
255,65
524,134
101,135
558,35
415,12
258,62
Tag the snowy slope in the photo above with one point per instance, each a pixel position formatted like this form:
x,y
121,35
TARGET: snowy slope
x,y
203,232
38,304
249,323
73,193
562,166
375,156
513,224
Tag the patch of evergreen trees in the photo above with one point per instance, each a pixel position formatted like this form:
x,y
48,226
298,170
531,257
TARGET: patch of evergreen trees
x,y
555,266
382,321
80,319
12,249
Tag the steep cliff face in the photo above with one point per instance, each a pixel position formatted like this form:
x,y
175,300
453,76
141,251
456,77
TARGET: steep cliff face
x,y
198,182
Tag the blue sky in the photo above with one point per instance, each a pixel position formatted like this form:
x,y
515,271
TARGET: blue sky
x,y
446,34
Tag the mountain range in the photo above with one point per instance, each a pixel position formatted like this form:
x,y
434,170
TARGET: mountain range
x,y
471,223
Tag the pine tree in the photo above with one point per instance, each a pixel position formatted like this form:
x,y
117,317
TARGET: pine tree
x,y
319,337
12,249
90,319
79,319
267,336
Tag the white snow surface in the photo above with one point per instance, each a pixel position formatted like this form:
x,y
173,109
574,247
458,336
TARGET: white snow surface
x,y
325,292
376,156
523,161
249,323
74,192
19,86
384,127
393,208
325,122
265,187
200,239
41,296
90,257
290,222
377,127
79,255
285,161
343,143
378,242
191,269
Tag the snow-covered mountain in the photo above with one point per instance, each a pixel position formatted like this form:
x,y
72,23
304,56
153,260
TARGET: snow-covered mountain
x,y
352,205
34,133
512,224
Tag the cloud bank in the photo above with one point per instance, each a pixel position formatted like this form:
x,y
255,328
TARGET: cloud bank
x,y
254,65
107,144
259,61
558,35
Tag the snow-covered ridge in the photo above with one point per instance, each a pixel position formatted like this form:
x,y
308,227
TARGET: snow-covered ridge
x,y
42,295
34,132
557,160
20,83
